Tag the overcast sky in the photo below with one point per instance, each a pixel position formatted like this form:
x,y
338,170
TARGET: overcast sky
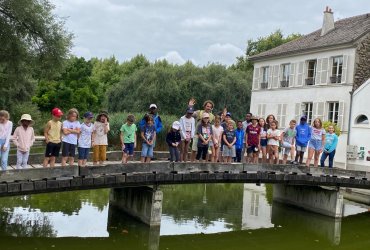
x,y
199,30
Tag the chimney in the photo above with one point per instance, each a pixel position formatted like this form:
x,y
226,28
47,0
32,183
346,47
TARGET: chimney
x,y
328,23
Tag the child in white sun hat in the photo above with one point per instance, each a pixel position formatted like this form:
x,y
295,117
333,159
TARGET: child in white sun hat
x,y
23,138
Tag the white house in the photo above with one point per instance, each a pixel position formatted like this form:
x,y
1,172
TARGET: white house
x,y
315,75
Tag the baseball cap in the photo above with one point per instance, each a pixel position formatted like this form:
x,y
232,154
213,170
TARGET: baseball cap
x,y
304,117
57,112
205,115
228,114
153,106
89,115
176,125
190,110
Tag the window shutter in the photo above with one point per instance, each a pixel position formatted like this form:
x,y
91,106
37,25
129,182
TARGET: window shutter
x,y
292,75
341,116
256,78
297,111
259,110
318,72
275,81
324,71
300,74
318,111
345,69
263,113
283,116
278,116
270,79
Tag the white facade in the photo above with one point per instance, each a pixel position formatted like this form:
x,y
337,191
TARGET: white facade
x,y
291,86
360,126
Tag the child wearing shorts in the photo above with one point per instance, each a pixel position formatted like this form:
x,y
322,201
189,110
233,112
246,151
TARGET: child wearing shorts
x,y
85,138
148,135
128,138
288,139
229,138
71,129
53,137
316,143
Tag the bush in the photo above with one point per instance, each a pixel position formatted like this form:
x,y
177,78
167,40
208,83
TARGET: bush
x,y
329,123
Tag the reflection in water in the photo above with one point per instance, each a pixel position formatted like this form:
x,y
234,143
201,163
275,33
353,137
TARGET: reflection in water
x,y
213,216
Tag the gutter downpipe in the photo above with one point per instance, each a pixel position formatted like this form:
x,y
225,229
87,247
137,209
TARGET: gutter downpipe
x,y
349,123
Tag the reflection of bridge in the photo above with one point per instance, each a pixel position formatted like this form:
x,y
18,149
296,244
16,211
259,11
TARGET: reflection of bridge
x,y
301,185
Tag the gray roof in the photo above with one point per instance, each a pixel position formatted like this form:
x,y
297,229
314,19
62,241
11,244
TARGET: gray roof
x,y
346,32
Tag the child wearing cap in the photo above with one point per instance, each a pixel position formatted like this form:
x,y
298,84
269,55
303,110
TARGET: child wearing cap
x,y
205,135
128,138
23,138
187,130
173,140
100,138
229,138
5,135
53,137
253,140
71,128
303,135
148,135
85,138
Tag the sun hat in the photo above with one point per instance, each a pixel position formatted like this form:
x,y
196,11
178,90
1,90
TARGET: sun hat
x,y
153,106
176,125
25,117
254,118
205,115
57,112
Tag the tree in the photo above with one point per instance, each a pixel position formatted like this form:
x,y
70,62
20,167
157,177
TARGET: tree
x,y
33,47
260,45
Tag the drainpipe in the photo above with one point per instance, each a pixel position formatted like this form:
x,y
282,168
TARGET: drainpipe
x,y
349,123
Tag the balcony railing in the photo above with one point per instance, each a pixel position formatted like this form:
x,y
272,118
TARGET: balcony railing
x,y
264,85
336,79
284,84
310,81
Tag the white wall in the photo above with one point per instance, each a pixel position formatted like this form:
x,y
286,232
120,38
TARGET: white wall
x,y
360,133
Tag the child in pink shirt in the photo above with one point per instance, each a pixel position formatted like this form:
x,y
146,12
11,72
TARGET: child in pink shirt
x,y
23,138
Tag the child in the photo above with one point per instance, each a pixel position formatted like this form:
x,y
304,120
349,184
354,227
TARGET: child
x,y
331,141
23,138
240,137
53,137
303,135
71,129
148,135
217,130
263,139
317,142
229,138
6,127
252,140
187,129
173,140
100,138
128,138
85,139
273,136
204,132
288,139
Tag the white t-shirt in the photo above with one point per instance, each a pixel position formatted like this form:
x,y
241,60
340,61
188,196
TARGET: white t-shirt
x,y
101,138
84,141
272,141
70,138
187,126
316,133
217,133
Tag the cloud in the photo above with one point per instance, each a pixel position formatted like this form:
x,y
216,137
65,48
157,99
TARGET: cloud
x,y
173,57
203,22
223,53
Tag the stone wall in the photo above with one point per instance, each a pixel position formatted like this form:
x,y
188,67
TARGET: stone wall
x,y
362,64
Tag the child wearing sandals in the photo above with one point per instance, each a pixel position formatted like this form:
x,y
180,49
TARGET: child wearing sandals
x,y
273,136
100,138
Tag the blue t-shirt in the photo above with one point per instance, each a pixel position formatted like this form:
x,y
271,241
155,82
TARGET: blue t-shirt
x,y
149,131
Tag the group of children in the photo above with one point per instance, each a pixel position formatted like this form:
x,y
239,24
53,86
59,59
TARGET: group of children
x,y
211,138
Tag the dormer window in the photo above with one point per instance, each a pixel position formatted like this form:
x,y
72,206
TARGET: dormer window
x,y
337,70
285,75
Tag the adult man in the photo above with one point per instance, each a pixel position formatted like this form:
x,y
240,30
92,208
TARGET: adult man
x,y
207,108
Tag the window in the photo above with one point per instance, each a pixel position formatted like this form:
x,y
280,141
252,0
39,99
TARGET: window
x,y
362,119
285,75
311,72
265,77
307,111
337,69
333,112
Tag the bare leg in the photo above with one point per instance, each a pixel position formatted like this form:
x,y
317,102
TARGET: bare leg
x,y
311,152
46,162
316,159
64,161
71,161
52,161
142,159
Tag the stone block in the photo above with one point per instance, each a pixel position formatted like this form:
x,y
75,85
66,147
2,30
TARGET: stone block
x,y
76,182
40,185
87,181
27,186
177,177
52,184
99,181
203,177
14,187
120,179
64,183
110,179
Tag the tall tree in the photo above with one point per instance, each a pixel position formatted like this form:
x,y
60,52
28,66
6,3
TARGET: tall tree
x,y
33,47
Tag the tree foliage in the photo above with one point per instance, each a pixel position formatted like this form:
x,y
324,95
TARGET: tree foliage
x,y
34,46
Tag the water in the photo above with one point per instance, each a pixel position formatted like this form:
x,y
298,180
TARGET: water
x,y
213,216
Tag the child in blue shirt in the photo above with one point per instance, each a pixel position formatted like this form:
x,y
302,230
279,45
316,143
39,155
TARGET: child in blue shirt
x,y
302,137
331,141
239,132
